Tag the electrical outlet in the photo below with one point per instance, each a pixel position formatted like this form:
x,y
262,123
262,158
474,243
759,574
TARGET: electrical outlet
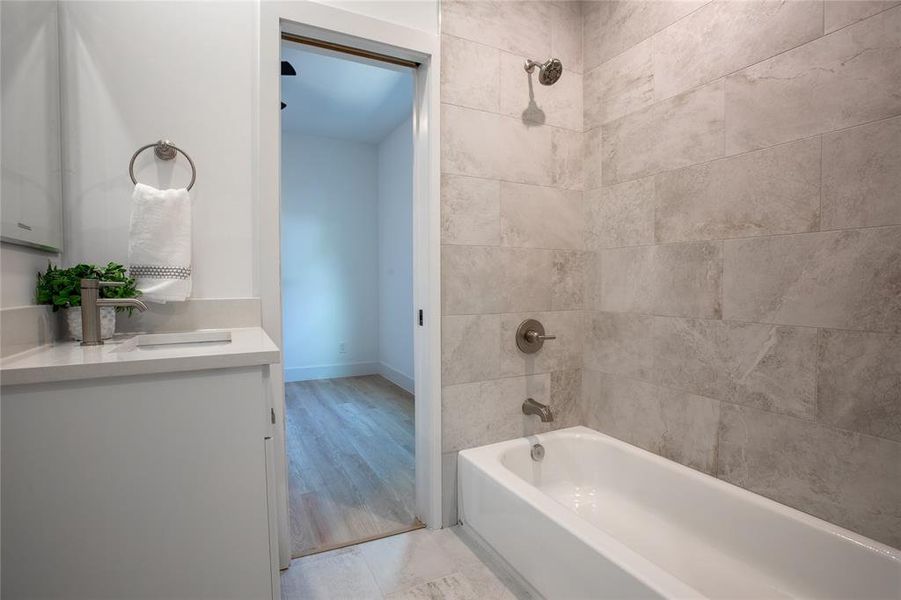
x,y
342,348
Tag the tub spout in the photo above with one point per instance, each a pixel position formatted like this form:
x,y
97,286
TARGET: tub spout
x,y
532,407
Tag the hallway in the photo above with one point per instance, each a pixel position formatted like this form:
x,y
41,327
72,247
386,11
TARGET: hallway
x,y
350,461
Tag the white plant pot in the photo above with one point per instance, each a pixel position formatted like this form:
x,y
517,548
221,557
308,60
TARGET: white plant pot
x,y
107,322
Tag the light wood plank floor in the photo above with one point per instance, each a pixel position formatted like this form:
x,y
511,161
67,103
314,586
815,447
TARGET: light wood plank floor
x,y
350,462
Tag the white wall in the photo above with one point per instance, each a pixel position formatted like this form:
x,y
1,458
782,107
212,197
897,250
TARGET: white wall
x,y
395,225
329,247
135,72
417,14
19,266
347,266
118,61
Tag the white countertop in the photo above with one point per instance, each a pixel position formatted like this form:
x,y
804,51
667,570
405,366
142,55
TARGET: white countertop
x,y
67,361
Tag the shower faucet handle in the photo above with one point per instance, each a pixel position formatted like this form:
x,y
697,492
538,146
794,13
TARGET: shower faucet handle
x,y
530,336
533,336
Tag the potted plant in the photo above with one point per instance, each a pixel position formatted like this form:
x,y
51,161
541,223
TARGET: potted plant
x,y
61,288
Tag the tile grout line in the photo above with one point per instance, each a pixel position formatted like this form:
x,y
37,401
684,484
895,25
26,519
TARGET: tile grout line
x,y
738,239
655,32
510,181
739,69
812,421
746,152
527,124
890,332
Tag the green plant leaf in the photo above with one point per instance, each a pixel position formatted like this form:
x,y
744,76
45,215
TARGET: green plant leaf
x,y
61,288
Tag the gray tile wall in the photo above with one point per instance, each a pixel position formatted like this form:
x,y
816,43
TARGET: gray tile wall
x,y
742,191
512,221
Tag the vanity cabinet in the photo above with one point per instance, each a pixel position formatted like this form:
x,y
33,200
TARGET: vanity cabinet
x,y
142,486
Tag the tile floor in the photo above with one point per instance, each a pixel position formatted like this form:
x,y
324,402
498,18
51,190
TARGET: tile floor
x,y
419,565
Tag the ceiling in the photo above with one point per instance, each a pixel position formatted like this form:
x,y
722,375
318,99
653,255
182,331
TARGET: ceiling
x,y
345,97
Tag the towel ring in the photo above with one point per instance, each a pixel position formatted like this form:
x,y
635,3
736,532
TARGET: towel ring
x,y
164,150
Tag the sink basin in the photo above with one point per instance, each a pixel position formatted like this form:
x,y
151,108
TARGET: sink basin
x,y
187,337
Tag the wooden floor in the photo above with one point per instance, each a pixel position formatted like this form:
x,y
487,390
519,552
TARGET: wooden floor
x,y
350,462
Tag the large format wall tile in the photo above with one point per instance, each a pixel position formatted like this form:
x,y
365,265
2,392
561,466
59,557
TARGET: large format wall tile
x,y
862,176
592,156
566,151
592,283
756,143
844,279
482,144
525,279
843,79
764,366
469,348
735,35
470,210
772,191
620,86
859,383
566,396
620,215
522,97
486,279
681,131
475,414
461,411
682,280
517,27
566,33
449,515
541,217
840,13
518,252
612,27
470,73
846,478
469,280
568,279
675,425
619,344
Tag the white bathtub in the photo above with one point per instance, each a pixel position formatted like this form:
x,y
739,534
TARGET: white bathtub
x,y
598,518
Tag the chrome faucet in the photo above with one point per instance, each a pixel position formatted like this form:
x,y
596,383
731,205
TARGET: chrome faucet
x,y
532,407
91,302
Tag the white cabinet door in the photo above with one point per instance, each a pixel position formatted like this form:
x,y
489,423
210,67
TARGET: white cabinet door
x,y
137,487
273,515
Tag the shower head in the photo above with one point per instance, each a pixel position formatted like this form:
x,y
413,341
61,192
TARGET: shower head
x,y
548,72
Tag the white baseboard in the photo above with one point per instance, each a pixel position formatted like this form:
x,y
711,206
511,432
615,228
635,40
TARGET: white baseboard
x,y
396,377
350,370
331,371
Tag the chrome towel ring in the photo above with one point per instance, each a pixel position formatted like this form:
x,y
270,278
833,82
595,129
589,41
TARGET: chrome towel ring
x,y
164,150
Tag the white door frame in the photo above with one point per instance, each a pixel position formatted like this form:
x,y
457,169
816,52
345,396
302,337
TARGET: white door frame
x,y
331,24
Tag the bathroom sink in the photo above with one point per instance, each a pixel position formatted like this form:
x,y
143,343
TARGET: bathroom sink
x,y
175,344
188,337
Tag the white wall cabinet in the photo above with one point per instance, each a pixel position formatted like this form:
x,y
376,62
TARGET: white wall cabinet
x,y
152,486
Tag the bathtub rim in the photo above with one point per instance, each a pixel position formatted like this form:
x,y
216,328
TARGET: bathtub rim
x,y
623,557
483,458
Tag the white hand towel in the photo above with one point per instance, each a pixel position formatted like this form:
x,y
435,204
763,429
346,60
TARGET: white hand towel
x,y
159,243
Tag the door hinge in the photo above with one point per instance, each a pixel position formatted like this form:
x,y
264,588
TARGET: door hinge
x,y
420,317
272,415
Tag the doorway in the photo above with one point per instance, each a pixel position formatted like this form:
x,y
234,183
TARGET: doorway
x,y
347,294
336,25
